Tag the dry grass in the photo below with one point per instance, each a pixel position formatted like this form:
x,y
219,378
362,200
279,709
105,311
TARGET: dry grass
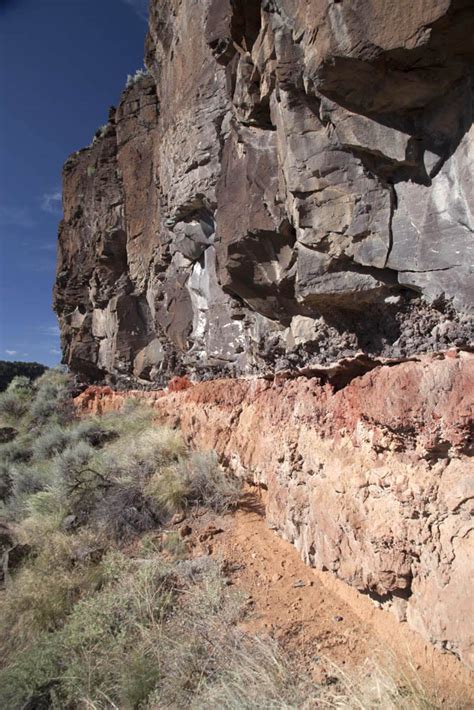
x,y
195,480
384,683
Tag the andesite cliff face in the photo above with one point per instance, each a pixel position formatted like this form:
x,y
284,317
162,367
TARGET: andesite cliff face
x,y
290,184
287,193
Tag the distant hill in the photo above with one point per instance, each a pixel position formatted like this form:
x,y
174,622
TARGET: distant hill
x,y
9,370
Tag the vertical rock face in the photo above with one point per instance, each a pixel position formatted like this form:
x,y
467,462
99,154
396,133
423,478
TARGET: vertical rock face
x,y
289,184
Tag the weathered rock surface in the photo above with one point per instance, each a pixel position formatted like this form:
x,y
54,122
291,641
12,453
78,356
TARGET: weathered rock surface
x,y
287,193
289,185
373,482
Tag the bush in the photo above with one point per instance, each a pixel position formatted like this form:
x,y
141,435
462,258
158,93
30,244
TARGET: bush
x,y
13,406
93,432
72,467
146,452
197,479
52,441
169,490
132,420
138,76
15,401
123,511
28,479
253,672
113,488
46,503
56,438
29,677
174,544
52,398
209,484
42,593
103,654
109,635
103,491
18,451
21,385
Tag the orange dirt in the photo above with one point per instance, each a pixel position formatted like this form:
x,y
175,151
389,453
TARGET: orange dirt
x,y
318,619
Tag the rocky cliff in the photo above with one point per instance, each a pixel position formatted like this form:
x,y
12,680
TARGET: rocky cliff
x,y
286,192
288,184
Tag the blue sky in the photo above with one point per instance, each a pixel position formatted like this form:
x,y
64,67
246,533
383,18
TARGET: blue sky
x,y
62,64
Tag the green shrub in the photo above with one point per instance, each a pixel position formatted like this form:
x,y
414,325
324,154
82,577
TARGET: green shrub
x,y
15,400
18,451
28,479
52,398
109,641
134,418
112,486
13,406
21,385
209,484
72,467
52,441
197,479
142,454
45,502
123,511
169,489
30,675
42,593
93,432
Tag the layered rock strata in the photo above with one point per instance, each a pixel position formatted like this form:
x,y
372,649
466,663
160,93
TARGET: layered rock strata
x,y
286,192
373,482
288,185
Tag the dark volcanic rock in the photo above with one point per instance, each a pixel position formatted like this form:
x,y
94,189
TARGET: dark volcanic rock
x,y
290,185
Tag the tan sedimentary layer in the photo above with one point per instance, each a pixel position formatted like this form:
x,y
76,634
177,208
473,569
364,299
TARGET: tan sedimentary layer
x,y
373,482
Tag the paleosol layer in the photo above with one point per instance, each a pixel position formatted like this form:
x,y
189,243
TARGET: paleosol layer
x,y
373,482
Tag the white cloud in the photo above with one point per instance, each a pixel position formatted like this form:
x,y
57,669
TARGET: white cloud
x,y
11,352
15,216
54,351
51,202
50,330
47,246
140,7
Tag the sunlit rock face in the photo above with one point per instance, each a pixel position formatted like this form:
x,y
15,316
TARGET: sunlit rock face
x,y
290,185
371,480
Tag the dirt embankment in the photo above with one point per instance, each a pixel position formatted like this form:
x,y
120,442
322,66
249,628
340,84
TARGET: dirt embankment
x,y
327,627
372,482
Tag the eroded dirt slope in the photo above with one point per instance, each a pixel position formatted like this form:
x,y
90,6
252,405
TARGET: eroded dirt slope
x,y
327,626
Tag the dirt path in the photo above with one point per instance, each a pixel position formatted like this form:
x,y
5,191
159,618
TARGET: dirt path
x,y
321,620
